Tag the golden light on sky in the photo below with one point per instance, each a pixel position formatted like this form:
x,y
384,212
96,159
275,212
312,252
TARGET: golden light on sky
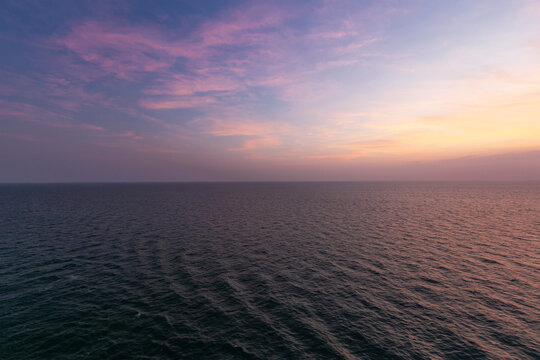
x,y
331,90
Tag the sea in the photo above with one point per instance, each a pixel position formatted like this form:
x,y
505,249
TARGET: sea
x,y
339,270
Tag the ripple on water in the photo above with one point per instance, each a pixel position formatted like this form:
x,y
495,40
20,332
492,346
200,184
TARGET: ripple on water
x,y
257,271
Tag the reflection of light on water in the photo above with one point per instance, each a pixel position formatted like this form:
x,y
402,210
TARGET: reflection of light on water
x,y
321,270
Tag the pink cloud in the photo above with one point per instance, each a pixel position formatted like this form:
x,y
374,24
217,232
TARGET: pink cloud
x,y
120,50
64,93
308,92
354,46
188,85
126,50
92,127
37,115
322,66
129,134
357,150
259,143
242,26
58,91
213,74
257,135
177,103
332,35
227,127
27,112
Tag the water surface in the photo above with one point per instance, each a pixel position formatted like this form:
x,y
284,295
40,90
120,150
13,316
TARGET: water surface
x,y
270,271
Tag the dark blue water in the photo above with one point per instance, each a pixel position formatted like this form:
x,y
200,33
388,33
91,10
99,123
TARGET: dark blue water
x,y
270,271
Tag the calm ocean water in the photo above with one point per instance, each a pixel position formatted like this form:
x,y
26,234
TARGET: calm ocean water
x,y
270,271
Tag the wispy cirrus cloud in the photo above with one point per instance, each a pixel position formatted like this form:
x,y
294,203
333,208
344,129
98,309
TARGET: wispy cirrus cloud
x,y
227,127
250,134
331,35
126,50
265,142
181,84
120,50
34,114
337,81
227,58
243,48
176,102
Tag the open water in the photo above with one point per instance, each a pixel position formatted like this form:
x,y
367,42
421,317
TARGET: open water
x,y
270,271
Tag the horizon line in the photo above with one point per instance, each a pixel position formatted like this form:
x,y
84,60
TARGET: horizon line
x,y
258,181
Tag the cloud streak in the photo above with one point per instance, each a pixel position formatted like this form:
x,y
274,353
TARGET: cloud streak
x,y
280,83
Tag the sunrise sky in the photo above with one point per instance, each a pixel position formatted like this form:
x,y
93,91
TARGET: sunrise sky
x,y
269,90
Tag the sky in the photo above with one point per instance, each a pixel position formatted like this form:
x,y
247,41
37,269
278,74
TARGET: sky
x,y
269,90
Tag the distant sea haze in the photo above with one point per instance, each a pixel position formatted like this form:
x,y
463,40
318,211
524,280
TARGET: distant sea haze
x,y
270,271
